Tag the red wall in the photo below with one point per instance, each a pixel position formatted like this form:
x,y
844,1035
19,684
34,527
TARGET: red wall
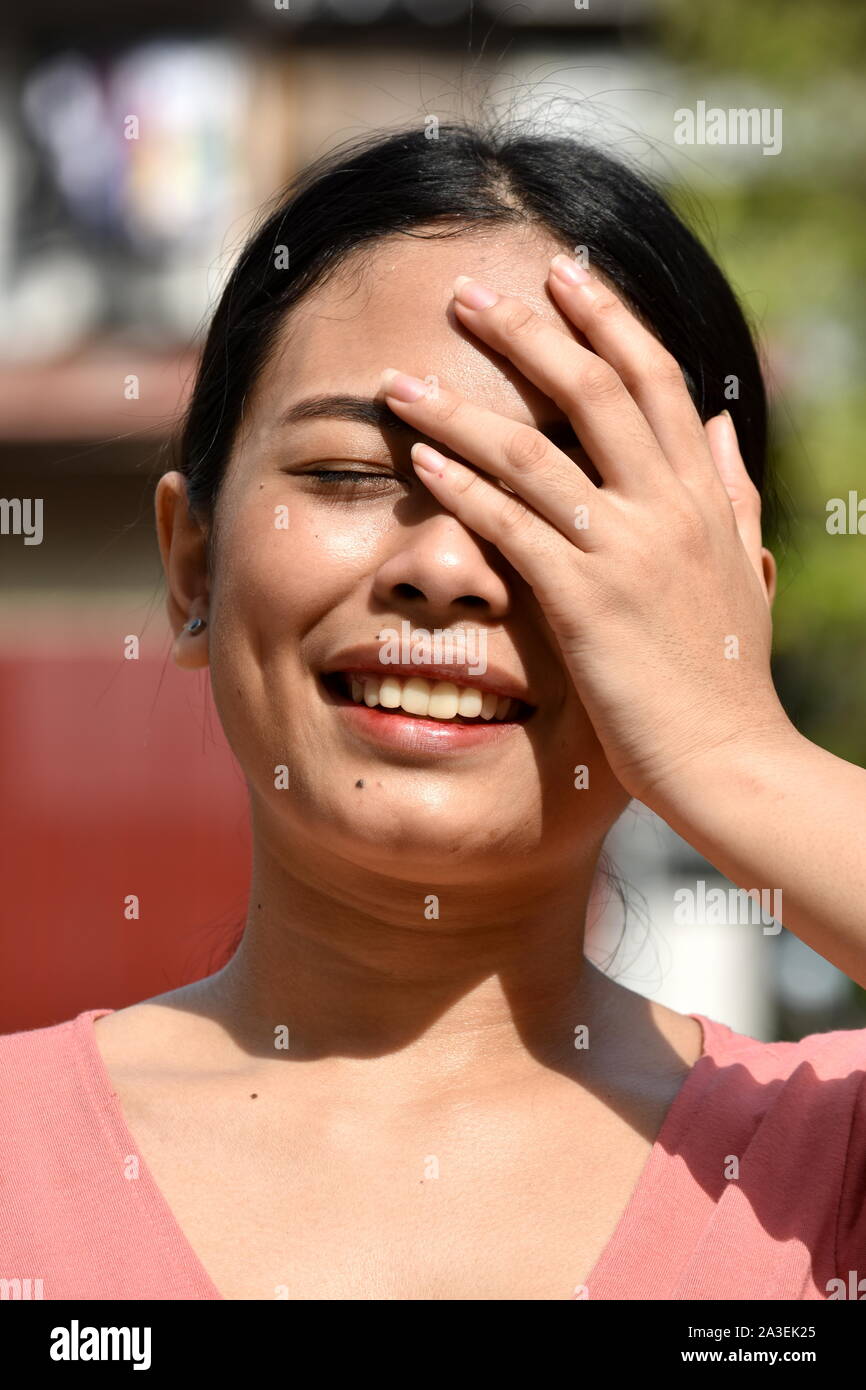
x,y
116,780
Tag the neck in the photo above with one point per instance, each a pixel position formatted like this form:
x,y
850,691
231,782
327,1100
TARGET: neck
x,y
484,978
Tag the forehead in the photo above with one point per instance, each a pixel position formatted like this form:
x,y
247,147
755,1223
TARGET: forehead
x,y
388,305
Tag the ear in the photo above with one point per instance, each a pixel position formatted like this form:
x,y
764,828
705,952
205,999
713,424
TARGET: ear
x,y
183,548
768,566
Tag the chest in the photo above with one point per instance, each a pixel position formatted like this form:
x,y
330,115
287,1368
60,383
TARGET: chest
x,y
492,1208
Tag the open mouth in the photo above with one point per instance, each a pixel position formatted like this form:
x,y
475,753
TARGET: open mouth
x,y
433,702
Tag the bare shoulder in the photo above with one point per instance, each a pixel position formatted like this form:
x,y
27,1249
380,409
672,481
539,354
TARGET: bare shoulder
x,y
645,1035
171,1032
684,1033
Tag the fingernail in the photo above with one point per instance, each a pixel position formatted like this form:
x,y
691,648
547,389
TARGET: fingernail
x,y
402,386
730,422
572,272
427,459
473,294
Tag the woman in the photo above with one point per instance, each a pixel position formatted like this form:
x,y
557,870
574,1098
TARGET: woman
x,y
469,392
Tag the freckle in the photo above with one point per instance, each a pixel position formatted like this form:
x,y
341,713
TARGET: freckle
x,y
254,1096
360,782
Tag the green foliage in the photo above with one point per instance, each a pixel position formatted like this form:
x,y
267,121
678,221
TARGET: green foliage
x,y
790,237
784,40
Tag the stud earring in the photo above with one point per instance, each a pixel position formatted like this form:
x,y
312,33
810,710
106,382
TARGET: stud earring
x,y
195,625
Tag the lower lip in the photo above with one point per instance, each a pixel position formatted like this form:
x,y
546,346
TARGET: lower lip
x,y
421,735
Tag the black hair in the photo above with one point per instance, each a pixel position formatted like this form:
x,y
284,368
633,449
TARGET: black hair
x,y
470,179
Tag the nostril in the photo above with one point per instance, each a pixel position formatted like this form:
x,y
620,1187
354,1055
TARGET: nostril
x,y
407,591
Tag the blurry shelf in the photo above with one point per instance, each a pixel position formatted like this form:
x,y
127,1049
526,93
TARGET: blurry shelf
x,y
83,398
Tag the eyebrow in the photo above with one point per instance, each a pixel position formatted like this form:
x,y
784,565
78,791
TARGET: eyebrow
x,y
365,410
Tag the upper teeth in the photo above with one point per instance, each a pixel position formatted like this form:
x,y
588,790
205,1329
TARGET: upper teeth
x,y
435,699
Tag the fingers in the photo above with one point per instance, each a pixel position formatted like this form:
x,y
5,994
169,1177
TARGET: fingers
x,y
549,487
651,374
613,430
516,454
524,538
744,497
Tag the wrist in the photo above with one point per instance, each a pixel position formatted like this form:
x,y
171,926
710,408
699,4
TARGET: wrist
x,y
725,769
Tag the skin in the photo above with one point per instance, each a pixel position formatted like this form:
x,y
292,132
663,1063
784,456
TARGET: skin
x,y
453,1037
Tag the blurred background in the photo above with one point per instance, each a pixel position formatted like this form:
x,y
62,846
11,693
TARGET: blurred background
x,y
137,142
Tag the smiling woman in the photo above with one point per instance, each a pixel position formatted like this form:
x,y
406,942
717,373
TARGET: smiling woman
x,y
474,389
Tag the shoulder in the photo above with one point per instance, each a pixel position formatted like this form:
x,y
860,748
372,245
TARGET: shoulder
x,y
801,1105
794,1114
836,1055
46,1054
171,1034
46,1090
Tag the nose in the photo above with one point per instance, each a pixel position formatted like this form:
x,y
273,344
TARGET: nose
x,y
442,570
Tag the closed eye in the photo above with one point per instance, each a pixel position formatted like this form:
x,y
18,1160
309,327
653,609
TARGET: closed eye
x,y
338,475
345,484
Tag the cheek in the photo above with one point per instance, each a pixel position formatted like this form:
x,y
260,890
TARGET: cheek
x,y
284,563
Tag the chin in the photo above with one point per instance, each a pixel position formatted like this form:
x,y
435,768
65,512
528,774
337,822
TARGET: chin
x,y
426,838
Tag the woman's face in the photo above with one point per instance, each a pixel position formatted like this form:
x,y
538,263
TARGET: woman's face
x,y
316,566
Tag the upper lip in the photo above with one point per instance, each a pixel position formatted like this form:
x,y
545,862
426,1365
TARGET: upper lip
x,y
365,660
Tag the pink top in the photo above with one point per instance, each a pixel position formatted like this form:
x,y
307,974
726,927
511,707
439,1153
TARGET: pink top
x,y
792,1114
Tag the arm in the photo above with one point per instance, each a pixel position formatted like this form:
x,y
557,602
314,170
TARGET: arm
x,y
782,813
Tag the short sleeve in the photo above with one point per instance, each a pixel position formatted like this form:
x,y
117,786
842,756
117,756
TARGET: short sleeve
x,y
851,1228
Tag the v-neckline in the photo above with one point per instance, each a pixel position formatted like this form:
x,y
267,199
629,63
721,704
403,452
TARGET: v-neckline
x,y
98,1079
